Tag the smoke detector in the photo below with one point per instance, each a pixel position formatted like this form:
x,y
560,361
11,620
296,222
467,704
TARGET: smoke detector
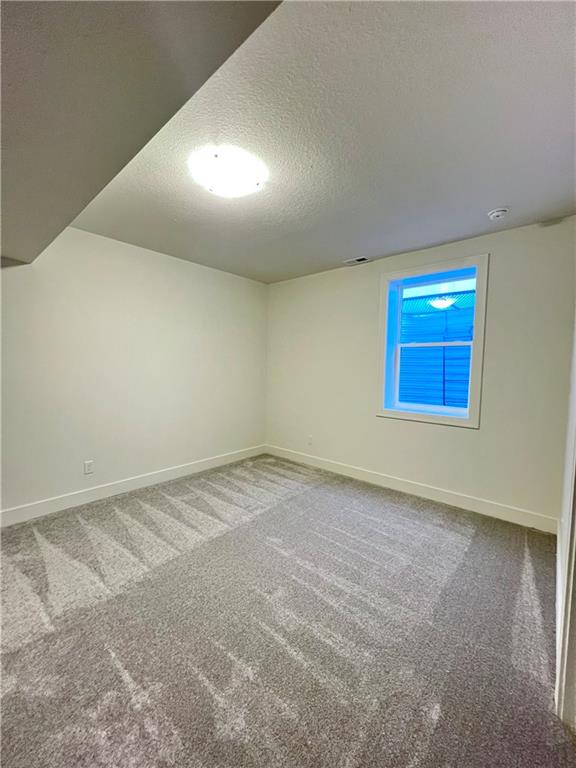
x,y
358,260
497,214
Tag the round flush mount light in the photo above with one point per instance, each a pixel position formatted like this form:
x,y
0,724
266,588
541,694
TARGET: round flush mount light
x,y
497,214
227,170
442,302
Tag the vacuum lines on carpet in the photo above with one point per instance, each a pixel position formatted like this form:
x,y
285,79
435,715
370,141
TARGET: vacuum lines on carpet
x,y
267,615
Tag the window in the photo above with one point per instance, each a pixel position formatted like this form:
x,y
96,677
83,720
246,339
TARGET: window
x,y
433,322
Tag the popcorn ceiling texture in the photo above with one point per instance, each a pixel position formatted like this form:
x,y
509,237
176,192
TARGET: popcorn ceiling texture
x,y
266,614
386,128
85,86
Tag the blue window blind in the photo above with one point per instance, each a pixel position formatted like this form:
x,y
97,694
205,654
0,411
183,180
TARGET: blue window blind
x,y
435,376
429,339
422,321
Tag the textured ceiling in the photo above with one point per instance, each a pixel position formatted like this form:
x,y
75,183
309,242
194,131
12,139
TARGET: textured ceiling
x,y
386,127
85,85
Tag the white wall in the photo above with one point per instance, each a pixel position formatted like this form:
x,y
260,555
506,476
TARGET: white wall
x,y
322,379
133,359
143,362
566,565
566,523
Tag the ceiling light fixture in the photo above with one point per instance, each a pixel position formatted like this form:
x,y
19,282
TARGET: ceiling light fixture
x,y
442,302
227,171
497,214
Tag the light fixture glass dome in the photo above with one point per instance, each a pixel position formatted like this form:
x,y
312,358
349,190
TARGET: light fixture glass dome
x,y
442,302
227,171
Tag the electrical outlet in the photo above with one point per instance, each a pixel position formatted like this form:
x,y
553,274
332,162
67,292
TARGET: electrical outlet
x,y
88,467
309,441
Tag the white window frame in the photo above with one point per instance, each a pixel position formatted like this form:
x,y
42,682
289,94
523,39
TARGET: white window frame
x,y
457,417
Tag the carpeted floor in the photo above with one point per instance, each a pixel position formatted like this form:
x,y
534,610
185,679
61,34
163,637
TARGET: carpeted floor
x,y
266,614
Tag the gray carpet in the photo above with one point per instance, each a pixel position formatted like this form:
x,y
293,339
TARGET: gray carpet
x,y
266,615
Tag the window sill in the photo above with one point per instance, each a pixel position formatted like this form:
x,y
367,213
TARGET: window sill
x,y
470,422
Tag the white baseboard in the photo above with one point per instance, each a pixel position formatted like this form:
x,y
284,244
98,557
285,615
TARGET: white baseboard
x,y
35,509
25,512
472,503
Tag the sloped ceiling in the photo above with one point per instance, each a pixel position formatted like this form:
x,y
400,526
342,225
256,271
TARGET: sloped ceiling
x,y
85,85
386,127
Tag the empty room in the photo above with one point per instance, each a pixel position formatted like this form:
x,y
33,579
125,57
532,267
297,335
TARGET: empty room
x,y
288,384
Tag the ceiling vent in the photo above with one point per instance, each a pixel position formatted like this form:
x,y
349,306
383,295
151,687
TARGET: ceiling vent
x,y
359,260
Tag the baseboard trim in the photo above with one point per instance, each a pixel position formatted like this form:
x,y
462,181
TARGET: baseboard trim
x,y
472,503
24,512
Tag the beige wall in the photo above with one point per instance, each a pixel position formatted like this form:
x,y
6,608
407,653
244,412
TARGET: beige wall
x,y
133,359
142,363
566,568
322,378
